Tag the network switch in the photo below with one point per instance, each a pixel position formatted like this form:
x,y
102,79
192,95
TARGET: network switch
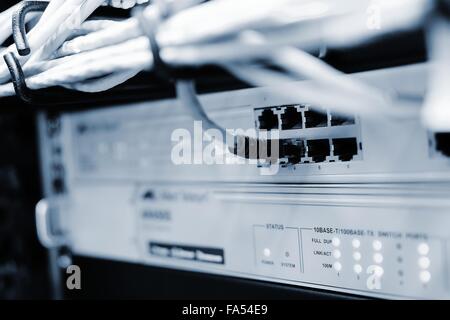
x,y
339,213
297,142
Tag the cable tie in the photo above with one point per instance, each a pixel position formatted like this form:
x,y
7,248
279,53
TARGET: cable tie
x,y
17,77
18,24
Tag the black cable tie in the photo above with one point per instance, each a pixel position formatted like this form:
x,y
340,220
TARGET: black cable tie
x,y
17,77
18,24
24,93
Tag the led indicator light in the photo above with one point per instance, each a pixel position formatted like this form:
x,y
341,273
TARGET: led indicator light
x,y
424,262
425,276
337,266
378,258
336,242
377,245
336,254
423,249
356,243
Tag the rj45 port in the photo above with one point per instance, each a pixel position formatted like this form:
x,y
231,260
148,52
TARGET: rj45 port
x,y
268,120
345,148
292,150
315,119
319,150
291,119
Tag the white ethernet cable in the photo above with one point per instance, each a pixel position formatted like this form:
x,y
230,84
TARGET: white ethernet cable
x,y
302,64
186,93
6,16
338,22
105,67
5,21
228,17
188,50
281,84
135,54
172,32
45,65
185,40
41,32
177,47
436,110
117,33
53,6
131,27
120,32
120,63
94,25
125,50
53,31
87,27
103,84
83,9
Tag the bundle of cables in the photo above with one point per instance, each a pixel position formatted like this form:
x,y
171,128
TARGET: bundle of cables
x,y
246,37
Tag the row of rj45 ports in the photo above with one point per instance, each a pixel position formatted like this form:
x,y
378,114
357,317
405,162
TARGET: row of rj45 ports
x,y
295,151
299,117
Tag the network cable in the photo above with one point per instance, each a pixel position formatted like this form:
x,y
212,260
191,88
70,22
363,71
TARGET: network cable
x,y
94,55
